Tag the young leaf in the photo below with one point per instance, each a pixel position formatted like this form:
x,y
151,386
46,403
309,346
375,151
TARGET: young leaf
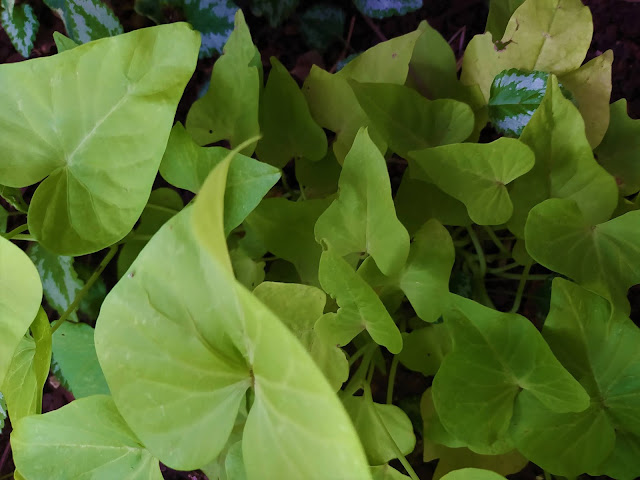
x,y
564,166
360,307
363,217
485,170
275,11
377,9
87,438
13,196
86,20
500,12
600,257
498,359
597,345
288,131
407,121
80,206
548,35
424,349
21,26
75,362
286,230
229,109
20,296
299,307
620,148
63,43
214,21
322,25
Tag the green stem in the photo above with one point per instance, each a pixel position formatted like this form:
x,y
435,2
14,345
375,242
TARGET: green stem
x,y
15,231
355,383
547,475
361,351
87,286
392,379
160,208
494,238
518,276
504,268
476,244
24,236
520,291
462,243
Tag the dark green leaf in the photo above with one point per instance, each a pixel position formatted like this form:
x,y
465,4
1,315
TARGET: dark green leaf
x,y
21,26
86,20
322,25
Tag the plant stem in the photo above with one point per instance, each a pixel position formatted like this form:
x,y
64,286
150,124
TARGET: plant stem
x,y
80,295
24,236
160,208
520,291
547,475
15,231
494,238
518,276
355,383
392,379
476,244
504,268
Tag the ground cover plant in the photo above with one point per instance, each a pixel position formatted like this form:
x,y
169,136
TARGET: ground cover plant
x,y
276,285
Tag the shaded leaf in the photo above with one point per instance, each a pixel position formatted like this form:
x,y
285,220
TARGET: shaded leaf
x,y
86,20
13,196
275,11
500,12
424,349
318,179
322,25
387,8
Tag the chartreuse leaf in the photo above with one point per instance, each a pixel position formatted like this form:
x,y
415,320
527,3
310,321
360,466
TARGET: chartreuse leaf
x,y
379,427
484,169
286,230
21,26
590,85
75,362
564,166
598,345
377,9
322,25
60,281
407,121
275,11
548,35
360,307
363,217
63,43
248,272
424,349
229,109
20,297
80,206
387,472
86,20
213,19
85,439
619,150
299,307
472,474
187,165
29,370
500,12
600,257
288,131
163,204
498,360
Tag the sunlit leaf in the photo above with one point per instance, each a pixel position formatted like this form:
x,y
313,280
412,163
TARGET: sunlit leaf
x,y
63,43
472,474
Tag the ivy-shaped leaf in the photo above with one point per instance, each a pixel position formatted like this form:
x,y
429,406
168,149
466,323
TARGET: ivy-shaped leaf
x,y
21,26
80,206
424,349
363,217
86,20
322,25
87,438
485,170
288,131
275,11
387,8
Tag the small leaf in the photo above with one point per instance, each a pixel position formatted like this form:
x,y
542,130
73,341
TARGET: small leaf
x,y
87,438
21,26
247,271
275,11
424,349
13,196
500,12
86,20
387,8
63,43
322,26
485,170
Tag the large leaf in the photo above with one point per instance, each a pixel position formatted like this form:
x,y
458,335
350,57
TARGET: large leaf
x,y
288,131
86,20
360,307
187,165
498,360
548,35
85,439
483,169
21,27
229,109
20,296
275,11
620,149
377,9
407,121
564,166
80,206
363,217
600,257
599,347
75,362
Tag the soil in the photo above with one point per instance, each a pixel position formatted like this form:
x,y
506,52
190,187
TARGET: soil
x,y
616,27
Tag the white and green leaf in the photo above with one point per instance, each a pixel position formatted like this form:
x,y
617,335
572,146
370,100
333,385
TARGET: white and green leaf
x,y
21,27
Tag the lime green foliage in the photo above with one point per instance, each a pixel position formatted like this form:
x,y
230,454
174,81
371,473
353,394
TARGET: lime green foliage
x,y
598,346
288,131
620,149
86,20
362,218
472,474
386,472
63,43
424,349
564,166
229,109
13,196
500,12
21,26
485,169
45,446
600,257
79,207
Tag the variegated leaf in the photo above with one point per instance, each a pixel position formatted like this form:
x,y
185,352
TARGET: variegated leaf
x,y
214,20
21,27
86,20
387,8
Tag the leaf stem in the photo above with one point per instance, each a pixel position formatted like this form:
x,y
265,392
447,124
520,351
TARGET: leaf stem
x,y
518,276
494,238
504,268
355,383
520,291
15,231
160,208
24,236
392,379
80,295
480,253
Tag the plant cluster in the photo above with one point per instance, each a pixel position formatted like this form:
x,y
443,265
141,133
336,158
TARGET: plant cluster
x,y
246,328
